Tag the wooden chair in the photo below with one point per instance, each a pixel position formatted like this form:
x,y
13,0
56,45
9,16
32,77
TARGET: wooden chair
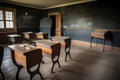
x,y
33,58
67,48
1,59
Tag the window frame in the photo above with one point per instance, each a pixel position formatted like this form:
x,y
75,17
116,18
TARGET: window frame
x,y
4,9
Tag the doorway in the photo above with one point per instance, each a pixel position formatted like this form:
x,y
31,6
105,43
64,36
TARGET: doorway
x,y
56,24
53,27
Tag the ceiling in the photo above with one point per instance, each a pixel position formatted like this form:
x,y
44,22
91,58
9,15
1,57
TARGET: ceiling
x,y
45,4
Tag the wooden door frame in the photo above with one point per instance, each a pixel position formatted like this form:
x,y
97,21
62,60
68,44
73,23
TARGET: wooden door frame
x,y
58,22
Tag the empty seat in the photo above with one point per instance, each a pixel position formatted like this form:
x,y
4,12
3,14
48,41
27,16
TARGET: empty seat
x,y
33,58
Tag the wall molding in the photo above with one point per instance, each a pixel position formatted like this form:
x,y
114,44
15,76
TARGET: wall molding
x,y
87,44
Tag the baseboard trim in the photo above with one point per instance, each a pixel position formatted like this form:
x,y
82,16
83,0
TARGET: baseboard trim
x,y
87,44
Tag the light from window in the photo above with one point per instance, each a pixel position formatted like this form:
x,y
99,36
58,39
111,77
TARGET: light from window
x,y
1,19
7,19
1,24
1,15
9,15
9,24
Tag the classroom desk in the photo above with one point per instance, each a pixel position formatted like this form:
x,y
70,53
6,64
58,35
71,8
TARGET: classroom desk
x,y
26,34
102,34
51,48
29,36
41,35
14,38
65,42
24,55
20,51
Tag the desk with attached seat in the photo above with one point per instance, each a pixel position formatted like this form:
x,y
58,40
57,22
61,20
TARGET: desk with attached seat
x,y
66,42
29,36
52,48
15,38
41,35
26,56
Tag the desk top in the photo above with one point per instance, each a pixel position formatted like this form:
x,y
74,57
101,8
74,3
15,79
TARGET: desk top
x,y
45,43
13,35
27,32
99,33
41,33
60,38
22,48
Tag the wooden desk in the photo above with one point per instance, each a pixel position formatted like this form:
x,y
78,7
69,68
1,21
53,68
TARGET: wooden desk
x,y
26,56
29,36
20,51
66,42
102,34
42,35
52,48
14,38
26,35
4,37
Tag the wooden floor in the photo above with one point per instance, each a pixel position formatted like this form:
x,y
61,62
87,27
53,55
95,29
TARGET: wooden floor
x,y
86,64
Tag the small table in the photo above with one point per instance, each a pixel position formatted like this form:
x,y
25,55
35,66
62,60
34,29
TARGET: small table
x,y
52,48
66,42
14,38
42,35
102,34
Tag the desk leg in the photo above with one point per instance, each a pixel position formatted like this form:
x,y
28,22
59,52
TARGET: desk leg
x,y
67,48
55,55
91,42
2,74
19,67
67,53
104,45
17,74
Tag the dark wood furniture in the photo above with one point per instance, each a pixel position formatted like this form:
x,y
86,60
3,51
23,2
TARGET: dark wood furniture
x,y
15,38
29,37
66,42
4,37
51,48
26,56
102,34
41,35
1,59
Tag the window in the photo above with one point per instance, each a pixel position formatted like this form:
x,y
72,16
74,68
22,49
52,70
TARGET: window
x,y
7,19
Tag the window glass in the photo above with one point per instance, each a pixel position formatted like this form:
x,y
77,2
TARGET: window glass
x,y
1,24
9,24
1,15
7,19
8,15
